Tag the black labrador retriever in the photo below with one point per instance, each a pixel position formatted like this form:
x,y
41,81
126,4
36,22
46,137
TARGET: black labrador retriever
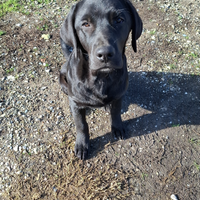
x,y
93,38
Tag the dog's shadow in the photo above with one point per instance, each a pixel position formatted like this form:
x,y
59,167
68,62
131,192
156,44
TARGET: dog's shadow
x,y
170,99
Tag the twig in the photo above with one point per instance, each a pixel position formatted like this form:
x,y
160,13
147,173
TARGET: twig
x,y
196,132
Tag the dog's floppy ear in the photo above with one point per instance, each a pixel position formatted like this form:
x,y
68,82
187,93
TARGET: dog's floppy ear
x,y
68,33
72,71
137,25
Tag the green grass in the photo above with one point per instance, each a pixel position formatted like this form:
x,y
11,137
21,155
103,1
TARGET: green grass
x,y
10,70
197,166
43,28
2,32
152,32
180,52
144,175
175,125
7,6
172,66
193,55
194,141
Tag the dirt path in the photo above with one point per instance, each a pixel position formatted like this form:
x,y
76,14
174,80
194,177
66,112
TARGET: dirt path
x,y
161,112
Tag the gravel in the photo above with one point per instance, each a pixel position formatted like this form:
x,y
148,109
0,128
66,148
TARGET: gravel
x,y
31,117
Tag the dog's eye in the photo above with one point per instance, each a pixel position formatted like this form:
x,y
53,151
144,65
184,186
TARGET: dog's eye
x,y
86,24
119,20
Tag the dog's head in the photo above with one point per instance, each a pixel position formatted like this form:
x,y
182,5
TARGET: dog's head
x,y
100,30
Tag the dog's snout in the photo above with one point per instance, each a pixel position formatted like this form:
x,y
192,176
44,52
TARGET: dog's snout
x,y
105,53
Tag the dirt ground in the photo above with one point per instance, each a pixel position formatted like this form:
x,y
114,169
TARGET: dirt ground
x,y
161,155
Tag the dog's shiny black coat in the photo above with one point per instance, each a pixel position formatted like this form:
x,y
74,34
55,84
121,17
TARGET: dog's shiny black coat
x,y
93,38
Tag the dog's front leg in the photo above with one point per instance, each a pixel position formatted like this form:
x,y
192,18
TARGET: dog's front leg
x,y
82,138
116,122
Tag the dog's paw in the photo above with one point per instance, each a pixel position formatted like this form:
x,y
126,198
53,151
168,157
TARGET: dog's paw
x,y
81,148
119,133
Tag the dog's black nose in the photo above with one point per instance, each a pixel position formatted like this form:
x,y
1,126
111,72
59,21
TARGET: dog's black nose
x,y
105,53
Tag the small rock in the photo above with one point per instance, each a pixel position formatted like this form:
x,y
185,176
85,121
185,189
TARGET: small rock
x,y
43,88
11,78
54,189
174,197
2,109
24,147
3,79
47,70
88,165
19,25
51,108
46,36
15,148
35,150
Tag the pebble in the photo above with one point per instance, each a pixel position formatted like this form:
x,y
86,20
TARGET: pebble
x,y
174,197
24,147
35,150
11,78
16,148
47,70
88,165
2,109
43,88
19,25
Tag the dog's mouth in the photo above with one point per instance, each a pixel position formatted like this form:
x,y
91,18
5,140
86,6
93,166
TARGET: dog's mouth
x,y
106,69
103,71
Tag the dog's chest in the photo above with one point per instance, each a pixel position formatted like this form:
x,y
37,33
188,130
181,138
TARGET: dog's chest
x,y
100,91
